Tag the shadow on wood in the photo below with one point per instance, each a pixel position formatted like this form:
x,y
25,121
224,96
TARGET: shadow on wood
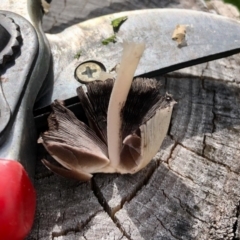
x,y
190,192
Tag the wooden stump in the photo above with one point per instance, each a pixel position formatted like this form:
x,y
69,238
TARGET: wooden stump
x,y
192,188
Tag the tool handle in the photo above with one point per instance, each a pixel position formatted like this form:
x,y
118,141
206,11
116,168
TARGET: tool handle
x,y
17,201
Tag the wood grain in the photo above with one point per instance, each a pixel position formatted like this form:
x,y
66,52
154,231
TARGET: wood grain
x,y
190,191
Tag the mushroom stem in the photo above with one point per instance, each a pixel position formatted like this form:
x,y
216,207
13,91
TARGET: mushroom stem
x,y
132,53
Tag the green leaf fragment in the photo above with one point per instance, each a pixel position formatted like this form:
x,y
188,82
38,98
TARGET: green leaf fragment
x,y
78,54
111,39
116,23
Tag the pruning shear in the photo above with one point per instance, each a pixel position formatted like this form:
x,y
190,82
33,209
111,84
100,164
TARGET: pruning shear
x,y
30,82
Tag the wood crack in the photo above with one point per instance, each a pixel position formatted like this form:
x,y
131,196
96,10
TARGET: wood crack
x,y
76,229
204,145
227,116
159,220
167,228
182,176
236,224
189,212
180,204
213,112
220,143
168,162
97,192
203,155
221,164
172,150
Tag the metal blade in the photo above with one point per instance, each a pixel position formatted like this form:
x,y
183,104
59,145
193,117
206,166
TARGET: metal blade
x,y
208,36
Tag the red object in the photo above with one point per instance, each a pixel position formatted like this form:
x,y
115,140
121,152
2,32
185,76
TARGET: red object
x,y
17,201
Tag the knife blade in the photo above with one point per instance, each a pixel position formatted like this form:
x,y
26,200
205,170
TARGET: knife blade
x,y
208,37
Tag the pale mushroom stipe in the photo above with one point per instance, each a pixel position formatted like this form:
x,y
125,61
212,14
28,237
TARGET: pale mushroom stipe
x,y
127,123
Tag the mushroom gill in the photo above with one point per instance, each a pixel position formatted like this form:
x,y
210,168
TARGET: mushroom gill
x,y
127,123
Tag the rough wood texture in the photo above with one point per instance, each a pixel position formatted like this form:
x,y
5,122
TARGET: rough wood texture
x,y
192,191
190,196
64,13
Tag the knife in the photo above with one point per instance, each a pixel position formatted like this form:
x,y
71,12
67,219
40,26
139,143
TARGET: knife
x,y
208,37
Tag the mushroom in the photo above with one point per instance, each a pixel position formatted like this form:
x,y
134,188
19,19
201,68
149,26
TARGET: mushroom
x,y
127,122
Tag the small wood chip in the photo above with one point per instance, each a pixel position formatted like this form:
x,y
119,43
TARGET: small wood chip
x,y
45,6
179,35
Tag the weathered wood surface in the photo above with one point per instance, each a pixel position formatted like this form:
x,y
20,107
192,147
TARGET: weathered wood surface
x,y
190,191
64,13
